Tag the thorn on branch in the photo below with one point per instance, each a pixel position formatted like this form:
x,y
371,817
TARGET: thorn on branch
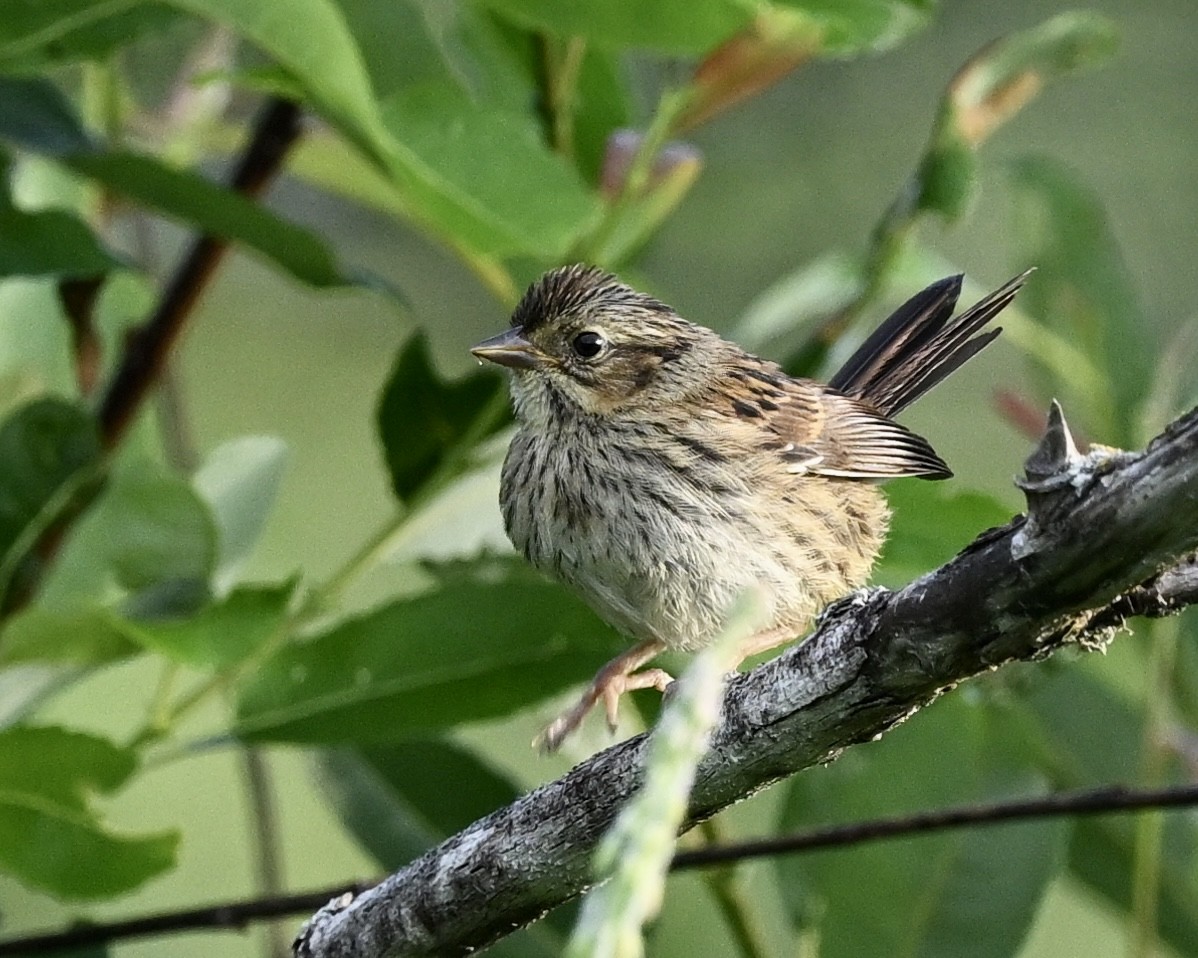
x,y
1054,462
1055,474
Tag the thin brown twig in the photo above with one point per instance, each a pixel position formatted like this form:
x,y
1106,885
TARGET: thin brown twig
x,y
148,346
236,915
1099,801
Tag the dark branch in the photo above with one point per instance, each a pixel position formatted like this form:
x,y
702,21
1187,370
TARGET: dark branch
x,y
1099,801
1105,538
230,915
148,347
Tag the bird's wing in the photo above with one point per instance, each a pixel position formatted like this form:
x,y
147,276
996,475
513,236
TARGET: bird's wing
x,y
816,430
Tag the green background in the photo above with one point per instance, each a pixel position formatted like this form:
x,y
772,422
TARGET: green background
x,y
804,168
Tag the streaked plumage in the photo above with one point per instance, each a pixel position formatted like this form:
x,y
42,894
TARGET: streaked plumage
x,y
659,469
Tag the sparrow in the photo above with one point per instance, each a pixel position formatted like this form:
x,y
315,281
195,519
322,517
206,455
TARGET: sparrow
x,y
660,470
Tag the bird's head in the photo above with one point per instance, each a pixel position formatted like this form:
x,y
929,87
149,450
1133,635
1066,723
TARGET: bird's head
x,y
582,338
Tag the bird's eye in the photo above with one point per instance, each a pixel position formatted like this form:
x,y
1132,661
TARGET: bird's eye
x,y
588,344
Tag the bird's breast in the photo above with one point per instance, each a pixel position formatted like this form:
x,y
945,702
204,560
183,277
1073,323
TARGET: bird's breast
x,y
661,532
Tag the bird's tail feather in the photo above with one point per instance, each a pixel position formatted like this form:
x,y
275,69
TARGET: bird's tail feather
x,y
921,344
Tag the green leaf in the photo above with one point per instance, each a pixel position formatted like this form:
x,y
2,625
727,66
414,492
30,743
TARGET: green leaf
x,y
49,243
40,35
778,322
48,837
239,481
35,115
458,653
221,634
70,855
932,522
603,105
989,90
60,765
450,159
221,212
156,530
972,892
399,800
491,180
427,425
666,26
459,43
148,535
81,636
1102,857
51,454
311,39
328,161
1084,290
853,26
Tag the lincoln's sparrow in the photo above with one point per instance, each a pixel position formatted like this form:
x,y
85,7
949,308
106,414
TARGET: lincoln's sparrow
x,y
660,470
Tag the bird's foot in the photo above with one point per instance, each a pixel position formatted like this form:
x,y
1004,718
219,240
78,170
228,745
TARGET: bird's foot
x,y
612,681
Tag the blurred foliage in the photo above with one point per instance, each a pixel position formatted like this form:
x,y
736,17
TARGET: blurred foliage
x,y
517,135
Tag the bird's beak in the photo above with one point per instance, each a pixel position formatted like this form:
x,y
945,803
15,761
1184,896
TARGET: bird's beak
x,y
509,349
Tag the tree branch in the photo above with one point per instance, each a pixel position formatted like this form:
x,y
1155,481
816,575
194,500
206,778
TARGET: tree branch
x,y
1105,538
148,346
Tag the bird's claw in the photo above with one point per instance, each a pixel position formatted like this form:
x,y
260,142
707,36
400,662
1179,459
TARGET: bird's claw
x,y
609,687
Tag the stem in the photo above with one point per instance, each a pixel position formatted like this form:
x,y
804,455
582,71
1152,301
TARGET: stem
x,y
102,99
159,717
491,273
1149,829
671,106
78,298
728,888
38,542
148,347
368,555
174,429
269,872
887,242
180,451
562,68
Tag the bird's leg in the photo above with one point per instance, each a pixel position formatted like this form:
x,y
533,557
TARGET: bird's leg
x,y
763,642
610,682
